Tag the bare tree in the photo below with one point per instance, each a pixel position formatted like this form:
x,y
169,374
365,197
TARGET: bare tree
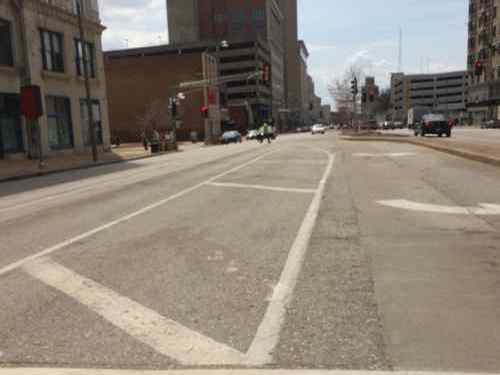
x,y
383,102
340,89
155,116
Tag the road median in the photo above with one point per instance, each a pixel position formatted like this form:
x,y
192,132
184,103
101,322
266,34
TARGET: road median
x,y
481,153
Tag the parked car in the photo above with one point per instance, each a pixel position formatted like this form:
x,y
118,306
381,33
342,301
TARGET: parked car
x,y
252,134
232,136
433,124
399,125
491,124
318,128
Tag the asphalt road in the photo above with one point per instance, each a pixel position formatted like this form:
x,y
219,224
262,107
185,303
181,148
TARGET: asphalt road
x,y
307,253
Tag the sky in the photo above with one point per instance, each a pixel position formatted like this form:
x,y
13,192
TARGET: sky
x,y
337,33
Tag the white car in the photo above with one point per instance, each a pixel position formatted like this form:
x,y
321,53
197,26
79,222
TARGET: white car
x,y
318,128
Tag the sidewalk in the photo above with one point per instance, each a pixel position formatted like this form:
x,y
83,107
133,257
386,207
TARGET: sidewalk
x,y
478,152
16,169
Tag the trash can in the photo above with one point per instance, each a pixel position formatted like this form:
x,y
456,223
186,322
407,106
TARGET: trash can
x,y
155,148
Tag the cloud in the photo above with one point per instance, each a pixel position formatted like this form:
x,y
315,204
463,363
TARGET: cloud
x,y
133,23
320,47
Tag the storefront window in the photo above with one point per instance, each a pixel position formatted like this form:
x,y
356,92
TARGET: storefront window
x,y
11,140
5,43
60,129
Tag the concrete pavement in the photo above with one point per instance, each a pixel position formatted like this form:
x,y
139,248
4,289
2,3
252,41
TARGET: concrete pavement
x,y
260,256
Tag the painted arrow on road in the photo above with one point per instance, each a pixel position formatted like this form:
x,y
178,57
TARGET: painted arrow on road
x,y
483,209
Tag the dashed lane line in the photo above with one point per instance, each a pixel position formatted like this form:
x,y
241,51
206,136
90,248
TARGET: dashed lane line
x,y
90,233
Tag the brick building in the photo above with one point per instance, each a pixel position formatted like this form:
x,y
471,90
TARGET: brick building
x,y
141,82
254,30
40,44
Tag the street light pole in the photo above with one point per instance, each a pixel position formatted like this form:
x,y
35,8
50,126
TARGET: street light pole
x,y
85,58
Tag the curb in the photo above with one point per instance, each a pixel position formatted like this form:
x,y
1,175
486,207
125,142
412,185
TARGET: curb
x,y
80,167
452,151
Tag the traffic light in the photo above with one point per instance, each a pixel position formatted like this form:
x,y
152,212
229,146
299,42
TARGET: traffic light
x,y
204,112
478,67
354,86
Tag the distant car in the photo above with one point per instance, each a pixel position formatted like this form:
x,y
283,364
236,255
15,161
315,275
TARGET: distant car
x,y
387,125
232,136
433,124
398,125
491,124
318,129
331,127
252,134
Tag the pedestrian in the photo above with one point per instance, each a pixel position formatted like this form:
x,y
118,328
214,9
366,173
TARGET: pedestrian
x,y
155,141
144,139
266,131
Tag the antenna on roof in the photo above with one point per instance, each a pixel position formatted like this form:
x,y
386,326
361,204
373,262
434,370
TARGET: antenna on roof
x,y
400,50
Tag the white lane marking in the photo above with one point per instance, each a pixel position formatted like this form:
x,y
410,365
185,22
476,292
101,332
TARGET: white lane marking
x,y
66,371
382,155
484,209
161,334
263,187
295,161
125,218
266,339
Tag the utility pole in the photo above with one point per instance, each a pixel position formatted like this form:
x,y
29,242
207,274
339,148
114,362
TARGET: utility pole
x,y
85,58
32,126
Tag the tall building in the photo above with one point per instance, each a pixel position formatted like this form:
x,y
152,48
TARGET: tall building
x,y
252,25
40,45
183,24
441,92
293,82
305,101
483,60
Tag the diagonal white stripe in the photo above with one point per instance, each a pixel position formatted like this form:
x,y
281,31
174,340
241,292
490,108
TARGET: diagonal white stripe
x,y
263,187
163,335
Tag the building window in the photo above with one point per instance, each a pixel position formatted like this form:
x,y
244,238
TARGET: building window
x,y
89,55
11,139
237,18
96,116
52,51
5,44
59,124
